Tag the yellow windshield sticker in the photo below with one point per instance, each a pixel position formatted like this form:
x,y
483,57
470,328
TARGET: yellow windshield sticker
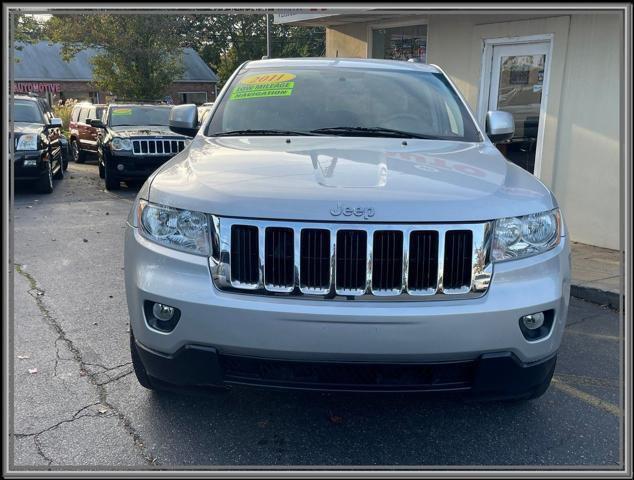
x,y
267,78
265,85
122,111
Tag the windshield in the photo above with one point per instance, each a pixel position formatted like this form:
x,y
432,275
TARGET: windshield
x,y
139,115
342,101
28,112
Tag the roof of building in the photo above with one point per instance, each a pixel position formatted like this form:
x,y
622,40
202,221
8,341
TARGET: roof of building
x,y
42,62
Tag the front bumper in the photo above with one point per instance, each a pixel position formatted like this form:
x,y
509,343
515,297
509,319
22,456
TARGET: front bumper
x,y
492,376
135,166
291,329
24,171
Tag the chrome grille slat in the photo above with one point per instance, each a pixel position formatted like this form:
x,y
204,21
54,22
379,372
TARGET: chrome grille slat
x,y
245,256
346,260
351,256
457,261
156,146
387,262
279,256
423,268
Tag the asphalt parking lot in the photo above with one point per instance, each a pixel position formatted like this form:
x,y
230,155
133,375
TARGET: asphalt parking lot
x,y
76,401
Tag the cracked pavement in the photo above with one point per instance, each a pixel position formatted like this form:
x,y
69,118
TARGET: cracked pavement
x,y
83,407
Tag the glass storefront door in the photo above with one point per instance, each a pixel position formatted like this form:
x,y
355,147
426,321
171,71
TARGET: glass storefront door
x,y
517,87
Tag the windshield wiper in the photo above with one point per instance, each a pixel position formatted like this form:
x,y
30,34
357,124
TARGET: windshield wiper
x,y
257,132
373,131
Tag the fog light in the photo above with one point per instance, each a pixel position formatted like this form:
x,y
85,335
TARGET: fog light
x,y
160,316
533,321
162,312
30,163
120,167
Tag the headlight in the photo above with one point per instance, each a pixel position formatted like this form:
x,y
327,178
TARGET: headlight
x,y
175,228
27,141
518,237
121,143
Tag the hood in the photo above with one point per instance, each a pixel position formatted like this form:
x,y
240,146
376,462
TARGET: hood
x,y
22,127
145,131
421,181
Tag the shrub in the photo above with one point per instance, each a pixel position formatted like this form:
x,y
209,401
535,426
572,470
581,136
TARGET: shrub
x,y
63,110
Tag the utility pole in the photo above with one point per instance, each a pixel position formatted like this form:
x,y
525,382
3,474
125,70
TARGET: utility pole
x,y
268,36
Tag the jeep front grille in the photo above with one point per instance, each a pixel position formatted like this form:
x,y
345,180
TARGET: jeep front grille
x,y
155,146
344,260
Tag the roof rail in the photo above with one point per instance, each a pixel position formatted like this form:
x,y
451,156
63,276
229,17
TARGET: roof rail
x,y
138,100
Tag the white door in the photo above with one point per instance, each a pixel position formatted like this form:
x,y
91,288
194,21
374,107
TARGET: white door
x,y
518,85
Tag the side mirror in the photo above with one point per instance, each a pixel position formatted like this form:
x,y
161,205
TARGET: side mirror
x,y
184,119
95,122
500,126
56,123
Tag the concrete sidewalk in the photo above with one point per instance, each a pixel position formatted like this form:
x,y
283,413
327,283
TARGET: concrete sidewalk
x,y
596,274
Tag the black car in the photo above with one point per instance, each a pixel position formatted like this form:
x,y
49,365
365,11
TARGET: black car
x,y
134,141
38,156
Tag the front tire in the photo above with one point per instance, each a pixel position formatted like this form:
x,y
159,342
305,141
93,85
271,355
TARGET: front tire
x,y
60,172
102,172
45,183
137,365
78,155
111,178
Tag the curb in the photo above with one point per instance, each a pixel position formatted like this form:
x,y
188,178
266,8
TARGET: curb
x,y
595,295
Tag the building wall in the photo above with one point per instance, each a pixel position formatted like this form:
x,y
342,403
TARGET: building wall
x,y
581,142
349,41
586,176
177,87
581,137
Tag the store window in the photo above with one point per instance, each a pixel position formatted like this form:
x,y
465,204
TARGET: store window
x,y
193,97
400,43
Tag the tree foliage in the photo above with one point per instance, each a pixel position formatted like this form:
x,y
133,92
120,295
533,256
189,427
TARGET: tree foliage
x,y
225,41
139,56
26,29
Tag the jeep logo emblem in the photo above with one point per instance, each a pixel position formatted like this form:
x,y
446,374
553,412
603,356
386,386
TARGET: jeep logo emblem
x,y
365,212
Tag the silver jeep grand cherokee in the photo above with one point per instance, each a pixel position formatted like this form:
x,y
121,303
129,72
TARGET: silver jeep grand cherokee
x,y
345,225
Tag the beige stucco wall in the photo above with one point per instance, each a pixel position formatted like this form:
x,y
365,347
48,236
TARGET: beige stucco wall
x,y
586,173
347,41
580,155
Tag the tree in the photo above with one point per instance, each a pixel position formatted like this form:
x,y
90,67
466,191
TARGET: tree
x,y
26,29
139,56
225,41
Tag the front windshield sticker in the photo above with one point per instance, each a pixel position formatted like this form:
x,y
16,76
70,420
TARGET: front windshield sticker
x,y
122,111
267,85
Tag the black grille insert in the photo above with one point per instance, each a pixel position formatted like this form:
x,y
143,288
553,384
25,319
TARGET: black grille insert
x,y
458,258
280,260
351,260
244,254
423,260
387,260
315,259
331,375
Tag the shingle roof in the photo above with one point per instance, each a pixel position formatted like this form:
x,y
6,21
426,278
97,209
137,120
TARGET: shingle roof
x,y
43,61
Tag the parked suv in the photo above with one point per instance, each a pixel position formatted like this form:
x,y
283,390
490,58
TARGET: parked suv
x,y
135,141
83,136
38,156
346,225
